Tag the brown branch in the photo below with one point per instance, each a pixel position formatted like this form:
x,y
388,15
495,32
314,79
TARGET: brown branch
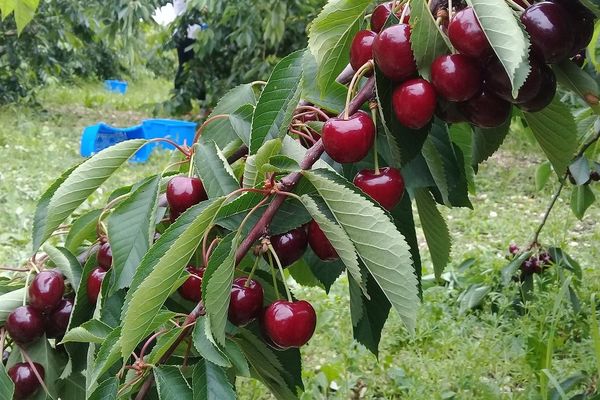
x,y
241,152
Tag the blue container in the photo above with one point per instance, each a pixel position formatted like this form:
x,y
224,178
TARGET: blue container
x,y
116,86
181,132
97,137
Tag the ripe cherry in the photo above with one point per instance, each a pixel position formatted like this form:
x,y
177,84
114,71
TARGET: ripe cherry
x,y
23,376
467,36
25,325
104,256
290,246
414,103
58,321
498,82
382,12
393,54
184,192
582,21
289,324
456,77
348,140
486,110
46,290
320,244
546,93
386,188
94,284
361,49
246,301
449,112
192,288
550,31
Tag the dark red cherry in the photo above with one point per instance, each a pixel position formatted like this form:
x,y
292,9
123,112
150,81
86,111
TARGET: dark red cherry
x,y
449,112
192,288
23,376
104,256
582,21
386,188
486,110
349,140
46,290
184,192
58,321
550,31
246,301
414,103
25,325
289,324
382,13
546,93
467,36
320,244
513,249
497,81
392,53
456,77
290,246
94,284
361,49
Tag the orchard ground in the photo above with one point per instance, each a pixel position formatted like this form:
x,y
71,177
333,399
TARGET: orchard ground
x,y
475,355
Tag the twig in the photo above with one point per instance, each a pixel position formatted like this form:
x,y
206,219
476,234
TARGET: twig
x,y
346,75
241,152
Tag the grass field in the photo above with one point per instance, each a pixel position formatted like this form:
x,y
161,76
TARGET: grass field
x,y
472,355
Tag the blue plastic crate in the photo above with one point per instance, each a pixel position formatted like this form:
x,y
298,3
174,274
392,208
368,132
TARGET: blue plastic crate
x,y
181,132
116,86
96,138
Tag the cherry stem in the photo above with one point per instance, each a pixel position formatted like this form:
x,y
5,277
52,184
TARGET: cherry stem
x,y
275,285
258,83
35,371
373,107
191,168
357,77
14,269
172,143
312,109
515,5
208,121
251,274
150,340
2,339
287,289
304,135
206,254
187,353
346,75
404,11
449,11
26,285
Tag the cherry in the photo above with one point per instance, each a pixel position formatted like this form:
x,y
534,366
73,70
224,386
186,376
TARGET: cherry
x,y
467,36
546,93
246,301
449,112
192,288
290,246
386,188
513,249
393,54
46,290
361,49
414,103
289,324
58,321
348,140
23,376
94,283
183,192
582,21
486,110
550,31
498,82
320,244
104,256
456,77
25,325
382,12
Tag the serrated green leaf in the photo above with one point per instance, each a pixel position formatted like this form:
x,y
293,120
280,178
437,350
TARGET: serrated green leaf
x,y
168,267
473,297
255,162
79,184
426,39
234,353
330,36
405,223
582,197
82,229
212,167
542,174
107,390
507,38
277,101
580,170
280,164
6,8
435,230
555,130
24,12
9,301
577,80
462,136
7,387
379,245
108,354
487,140
207,349
92,331
171,384
66,263
241,122
333,99
210,382
295,151
508,272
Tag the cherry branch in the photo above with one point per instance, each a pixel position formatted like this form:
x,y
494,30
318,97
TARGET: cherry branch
x,y
346,75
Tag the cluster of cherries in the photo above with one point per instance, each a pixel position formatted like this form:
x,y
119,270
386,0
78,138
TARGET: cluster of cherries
x,y
48,311
96,276
536,264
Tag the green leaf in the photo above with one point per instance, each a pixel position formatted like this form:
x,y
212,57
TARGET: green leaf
x,y
82,229
80,184
7,387
542,174
426,39
277,101
241,122
330,36
210,382
108,354
575,79
66,263
405,223
332,99
92,331
487,140
580,170
24,12
255,162
107,390
9,301
166,260
556,132
582,197
207,349
473,297
507,38
217,177
379,245
435,231
171,384
508,272
462,136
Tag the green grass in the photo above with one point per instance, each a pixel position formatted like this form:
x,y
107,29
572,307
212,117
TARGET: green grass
x,y
476,355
